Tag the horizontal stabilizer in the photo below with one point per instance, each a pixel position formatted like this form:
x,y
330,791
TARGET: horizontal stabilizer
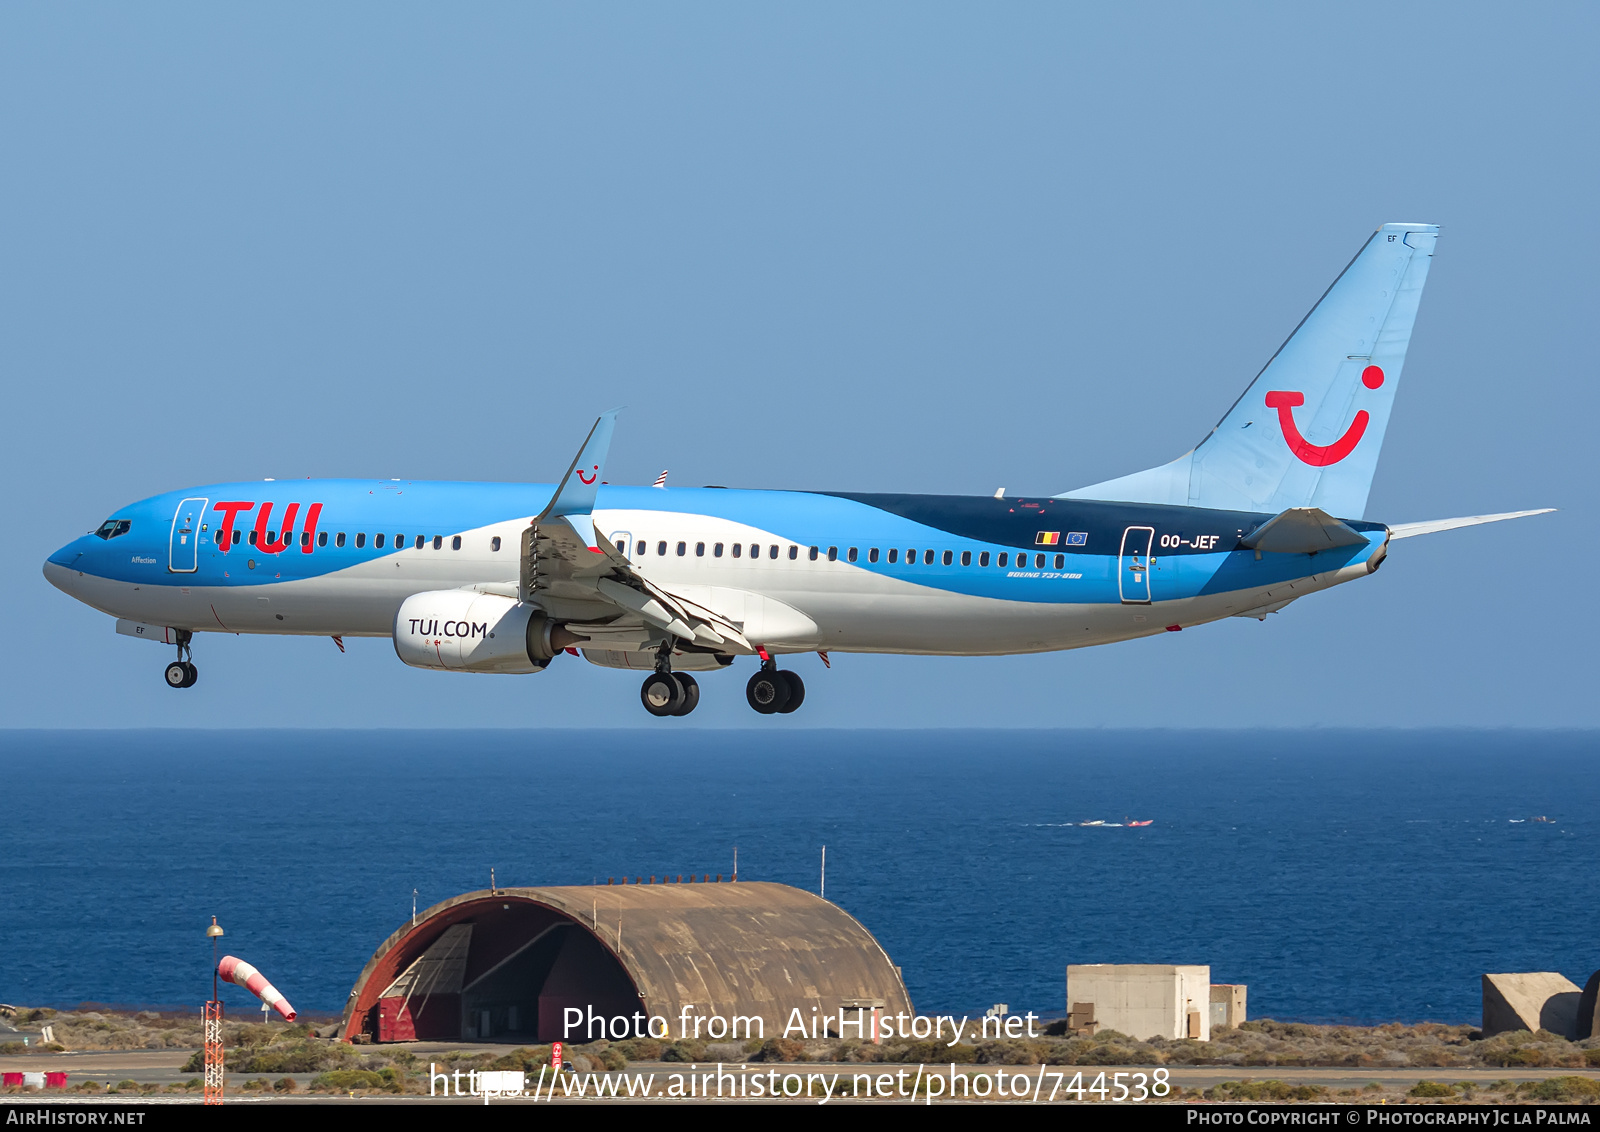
x,y
1301,530
1432,526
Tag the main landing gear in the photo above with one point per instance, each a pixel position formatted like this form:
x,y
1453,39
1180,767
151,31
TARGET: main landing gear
x,y
775,691
666,692
182,673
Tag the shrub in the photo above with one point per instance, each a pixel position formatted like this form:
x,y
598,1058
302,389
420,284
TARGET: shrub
x,y
779,1049
691,1051
347,1080
13,1047
1562,1089
285,1085
1431,1089
1270,1090
638,1049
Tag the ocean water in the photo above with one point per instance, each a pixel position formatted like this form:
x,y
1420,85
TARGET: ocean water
x,y
1349,875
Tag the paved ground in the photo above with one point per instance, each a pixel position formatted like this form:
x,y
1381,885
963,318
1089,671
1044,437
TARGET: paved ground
x,y
163,1067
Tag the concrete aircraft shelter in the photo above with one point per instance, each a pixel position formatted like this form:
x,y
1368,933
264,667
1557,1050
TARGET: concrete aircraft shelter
x,y
503,965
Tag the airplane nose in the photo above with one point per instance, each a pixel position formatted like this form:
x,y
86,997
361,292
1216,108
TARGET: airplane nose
x,y
67,555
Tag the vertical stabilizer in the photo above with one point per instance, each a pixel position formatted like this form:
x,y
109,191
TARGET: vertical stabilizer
x,y
1308,430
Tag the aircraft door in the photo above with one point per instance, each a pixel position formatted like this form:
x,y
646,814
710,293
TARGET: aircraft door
x,y
1133,565
623,541
183,546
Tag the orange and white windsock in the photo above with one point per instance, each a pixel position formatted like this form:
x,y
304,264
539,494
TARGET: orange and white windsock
x,y
238,971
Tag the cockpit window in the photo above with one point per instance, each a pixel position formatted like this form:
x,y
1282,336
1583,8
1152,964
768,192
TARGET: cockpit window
x,y
111,528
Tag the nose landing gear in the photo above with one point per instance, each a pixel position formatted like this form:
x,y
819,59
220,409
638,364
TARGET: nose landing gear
x,y
182,673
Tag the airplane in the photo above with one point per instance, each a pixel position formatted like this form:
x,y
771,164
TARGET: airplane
x,y
505,578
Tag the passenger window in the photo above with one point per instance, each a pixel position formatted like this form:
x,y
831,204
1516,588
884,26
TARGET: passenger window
x,y
252,538
699,550
361,539
949,557
338,539
755,550
1004,558
966,558
377,541
894,555
272,537
305,538
833,554
983,559
438,542
772,551
639,550
927,558
911,556
421,540
1038,562
322,538
217,539
716,551
1061,560
455,543
851,556
872,555
738,549
794,553
683,548
399,542
494,543
812,554
661,549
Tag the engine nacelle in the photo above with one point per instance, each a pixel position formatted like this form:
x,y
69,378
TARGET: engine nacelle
x,y
465,631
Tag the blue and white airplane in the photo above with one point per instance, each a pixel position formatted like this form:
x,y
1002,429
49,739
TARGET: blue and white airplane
x,y
504,578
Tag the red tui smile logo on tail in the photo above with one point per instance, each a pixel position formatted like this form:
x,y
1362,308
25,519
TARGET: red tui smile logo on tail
x,y
1320,455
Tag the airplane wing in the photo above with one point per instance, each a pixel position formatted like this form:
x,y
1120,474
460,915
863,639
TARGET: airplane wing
x,y
574,571
1431,526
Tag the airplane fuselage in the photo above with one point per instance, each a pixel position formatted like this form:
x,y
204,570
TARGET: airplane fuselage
x,y
949,575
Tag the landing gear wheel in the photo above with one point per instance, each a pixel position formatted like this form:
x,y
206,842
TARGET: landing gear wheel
x,y
797,690
691,692
177,674
768,691
194,674
662,694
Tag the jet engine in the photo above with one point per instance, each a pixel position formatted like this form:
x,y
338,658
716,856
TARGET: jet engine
x,y
466,631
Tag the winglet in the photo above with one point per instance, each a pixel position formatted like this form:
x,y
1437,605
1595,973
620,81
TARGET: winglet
x,y
576,493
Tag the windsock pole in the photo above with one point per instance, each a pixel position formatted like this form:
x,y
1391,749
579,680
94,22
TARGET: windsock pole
x,y
236,970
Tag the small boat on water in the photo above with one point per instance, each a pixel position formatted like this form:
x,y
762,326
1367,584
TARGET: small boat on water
x,y
1138,823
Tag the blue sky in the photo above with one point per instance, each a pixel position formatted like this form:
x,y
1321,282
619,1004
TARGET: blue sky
x,y
868,247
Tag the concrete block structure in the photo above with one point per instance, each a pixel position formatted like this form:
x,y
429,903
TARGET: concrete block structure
x,y
1142,1000
1227,1004
1530,1000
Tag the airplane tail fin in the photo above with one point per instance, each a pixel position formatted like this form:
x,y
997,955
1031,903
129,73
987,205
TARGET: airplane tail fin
x,y
1308,430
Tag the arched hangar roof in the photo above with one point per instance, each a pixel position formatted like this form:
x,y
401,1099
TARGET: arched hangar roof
x,y
746,948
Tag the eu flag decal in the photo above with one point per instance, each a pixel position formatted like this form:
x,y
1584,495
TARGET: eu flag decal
x,y
1077,538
